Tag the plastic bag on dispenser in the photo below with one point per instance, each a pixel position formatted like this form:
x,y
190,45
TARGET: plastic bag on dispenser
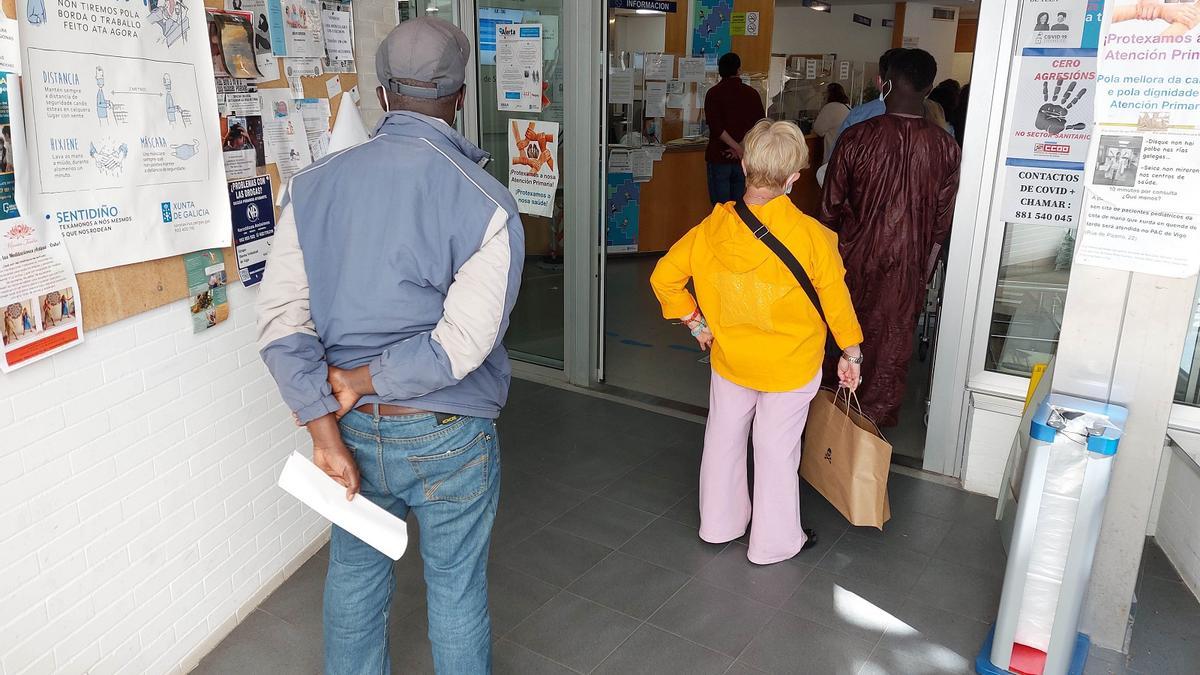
x,y
1037,612
1053,537
1065,468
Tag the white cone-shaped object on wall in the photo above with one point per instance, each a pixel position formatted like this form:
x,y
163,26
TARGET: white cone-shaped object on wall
x,y
348,130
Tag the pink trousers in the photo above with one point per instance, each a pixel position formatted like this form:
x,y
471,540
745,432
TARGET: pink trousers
x,y
725,506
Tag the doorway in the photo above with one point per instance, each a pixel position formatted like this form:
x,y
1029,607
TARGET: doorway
x,y
655,176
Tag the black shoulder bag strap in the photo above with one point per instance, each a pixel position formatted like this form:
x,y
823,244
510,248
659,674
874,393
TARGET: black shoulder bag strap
x,y
764,235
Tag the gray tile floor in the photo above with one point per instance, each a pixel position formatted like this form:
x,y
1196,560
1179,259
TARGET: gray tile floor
x,y
596,568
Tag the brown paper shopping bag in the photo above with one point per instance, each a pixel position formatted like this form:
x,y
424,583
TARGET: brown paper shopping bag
x,y
847,460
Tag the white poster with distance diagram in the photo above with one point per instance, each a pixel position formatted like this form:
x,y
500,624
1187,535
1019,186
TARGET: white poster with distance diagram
x,y
1143,169
533,165
40,311
519,67
122,129
1051,133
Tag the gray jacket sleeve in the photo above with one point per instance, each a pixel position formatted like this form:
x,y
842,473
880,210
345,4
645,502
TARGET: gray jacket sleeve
x,y
474,318
287,340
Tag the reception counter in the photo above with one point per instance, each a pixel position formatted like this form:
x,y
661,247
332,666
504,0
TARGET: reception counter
x,y
676,198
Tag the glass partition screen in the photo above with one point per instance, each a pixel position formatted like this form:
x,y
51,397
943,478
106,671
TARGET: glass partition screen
x,y
536,331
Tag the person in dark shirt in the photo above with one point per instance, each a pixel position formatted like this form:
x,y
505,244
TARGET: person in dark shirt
x,y
731,108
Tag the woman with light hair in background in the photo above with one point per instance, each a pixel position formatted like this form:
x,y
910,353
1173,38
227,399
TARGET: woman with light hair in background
x,y
767,338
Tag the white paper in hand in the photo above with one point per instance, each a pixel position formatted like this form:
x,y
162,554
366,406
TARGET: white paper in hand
x,y
359,516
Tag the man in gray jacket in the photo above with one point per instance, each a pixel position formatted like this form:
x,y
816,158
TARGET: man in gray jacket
x,y
387,292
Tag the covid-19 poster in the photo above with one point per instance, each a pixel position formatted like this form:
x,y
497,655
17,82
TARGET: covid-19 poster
x,y
122,128
1051,127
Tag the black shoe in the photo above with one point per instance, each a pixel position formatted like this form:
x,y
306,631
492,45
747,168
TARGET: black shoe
x,y
811,541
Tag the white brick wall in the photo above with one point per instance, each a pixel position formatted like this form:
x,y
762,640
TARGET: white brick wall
x,y
139,520
1178,531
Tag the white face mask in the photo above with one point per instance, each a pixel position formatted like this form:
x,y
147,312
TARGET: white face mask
x,y
887,89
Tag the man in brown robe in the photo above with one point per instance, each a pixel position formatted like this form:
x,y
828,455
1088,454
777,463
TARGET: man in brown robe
x,y
889,194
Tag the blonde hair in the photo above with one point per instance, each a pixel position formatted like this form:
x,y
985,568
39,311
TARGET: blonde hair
x,y
773,151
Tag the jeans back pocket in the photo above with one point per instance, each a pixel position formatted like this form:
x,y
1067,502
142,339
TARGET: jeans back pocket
x,y
456,475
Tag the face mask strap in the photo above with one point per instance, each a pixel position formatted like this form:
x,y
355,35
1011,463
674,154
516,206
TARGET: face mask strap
x,y
887,84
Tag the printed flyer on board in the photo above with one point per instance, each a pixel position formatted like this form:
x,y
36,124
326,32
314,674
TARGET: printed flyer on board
x,y
208,295
10,45
39,296
284,133
533,166
1143,169
296,29
123,131
519,67
268,64
253,226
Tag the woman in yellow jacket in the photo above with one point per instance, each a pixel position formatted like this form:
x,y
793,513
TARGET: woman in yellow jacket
x,y
767,340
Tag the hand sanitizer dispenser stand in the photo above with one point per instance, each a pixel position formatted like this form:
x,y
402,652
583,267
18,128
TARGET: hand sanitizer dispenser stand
x,y
1073,444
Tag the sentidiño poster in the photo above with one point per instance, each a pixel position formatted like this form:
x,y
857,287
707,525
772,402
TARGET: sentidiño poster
x,y
122,128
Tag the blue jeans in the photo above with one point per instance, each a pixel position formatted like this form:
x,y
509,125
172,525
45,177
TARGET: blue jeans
x,y
449,476
726,182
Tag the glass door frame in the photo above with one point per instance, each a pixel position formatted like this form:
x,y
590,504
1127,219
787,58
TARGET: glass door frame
x,y
975,244
581,165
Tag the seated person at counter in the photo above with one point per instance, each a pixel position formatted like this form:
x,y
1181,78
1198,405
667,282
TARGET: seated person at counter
x,y
731,107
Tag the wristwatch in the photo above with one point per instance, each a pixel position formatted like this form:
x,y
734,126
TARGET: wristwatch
x,y
856,360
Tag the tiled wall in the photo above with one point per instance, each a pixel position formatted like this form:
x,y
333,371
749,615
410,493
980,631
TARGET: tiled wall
x,y
372,22
1178,531
139,517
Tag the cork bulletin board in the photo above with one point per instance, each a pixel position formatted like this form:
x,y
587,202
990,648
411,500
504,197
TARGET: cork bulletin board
x,y
117,293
